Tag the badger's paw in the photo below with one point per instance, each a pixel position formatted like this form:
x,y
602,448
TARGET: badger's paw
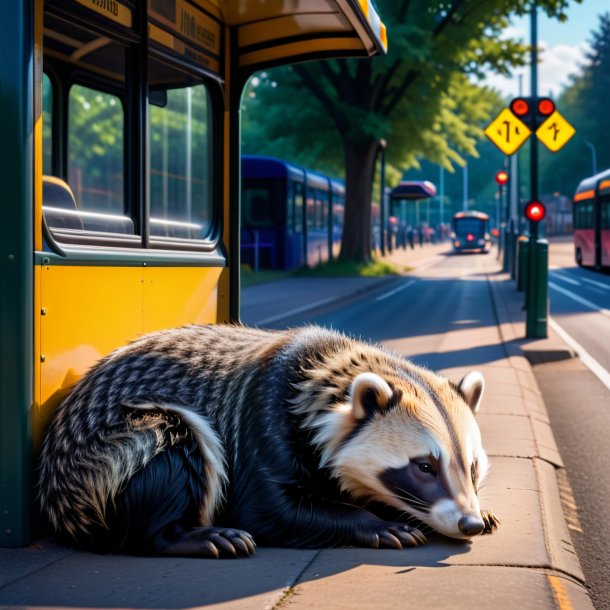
x,y
491,521
396,536
212,542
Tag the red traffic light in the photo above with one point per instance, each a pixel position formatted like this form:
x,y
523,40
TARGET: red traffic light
x,y
546,106
502,177
520,106
535,211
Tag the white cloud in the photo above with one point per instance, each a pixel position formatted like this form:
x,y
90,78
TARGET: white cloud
x,y
555,65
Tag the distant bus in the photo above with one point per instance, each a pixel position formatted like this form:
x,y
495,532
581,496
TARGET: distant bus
x,y
471,232
592,221
291,216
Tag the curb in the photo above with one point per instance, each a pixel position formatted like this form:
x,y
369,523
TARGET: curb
x,y
522,355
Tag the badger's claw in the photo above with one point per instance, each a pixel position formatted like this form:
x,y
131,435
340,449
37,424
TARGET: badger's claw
x,y
400,536
490,520
212,542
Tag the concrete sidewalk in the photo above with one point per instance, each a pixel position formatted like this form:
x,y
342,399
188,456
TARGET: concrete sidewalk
x,y
529,563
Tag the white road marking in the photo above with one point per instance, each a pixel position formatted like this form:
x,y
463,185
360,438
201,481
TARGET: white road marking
x,y
560,276
593,365
579,299
595,283
387,295
293,312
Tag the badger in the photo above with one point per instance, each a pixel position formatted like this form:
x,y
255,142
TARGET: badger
x,y
200,440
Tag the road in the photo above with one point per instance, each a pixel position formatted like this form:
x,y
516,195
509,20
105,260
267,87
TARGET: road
x,y
413,315
577,396
580,304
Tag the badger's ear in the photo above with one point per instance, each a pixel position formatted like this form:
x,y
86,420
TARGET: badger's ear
x,y
370,393
472,386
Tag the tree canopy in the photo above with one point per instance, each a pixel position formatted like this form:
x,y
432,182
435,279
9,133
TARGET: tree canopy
x,y
584,103
420,98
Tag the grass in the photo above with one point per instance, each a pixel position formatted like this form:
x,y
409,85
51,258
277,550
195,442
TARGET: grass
x,y
337,268
249,278
349,268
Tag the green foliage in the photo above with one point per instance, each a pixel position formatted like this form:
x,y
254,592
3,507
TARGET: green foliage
x,y
585,105
419,98
346,267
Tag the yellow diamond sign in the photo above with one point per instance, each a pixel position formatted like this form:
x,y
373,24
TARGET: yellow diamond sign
x,y
507,132
555,132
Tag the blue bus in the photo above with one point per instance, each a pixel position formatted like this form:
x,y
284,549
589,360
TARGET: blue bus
x,y
471,232
291,216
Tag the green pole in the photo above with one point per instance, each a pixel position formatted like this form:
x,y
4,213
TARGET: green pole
x,y
16,271
537,284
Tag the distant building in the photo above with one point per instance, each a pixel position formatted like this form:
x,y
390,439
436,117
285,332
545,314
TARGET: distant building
x,y
558,214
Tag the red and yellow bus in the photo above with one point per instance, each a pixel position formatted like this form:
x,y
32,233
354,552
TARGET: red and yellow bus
x,y
591,221
120,174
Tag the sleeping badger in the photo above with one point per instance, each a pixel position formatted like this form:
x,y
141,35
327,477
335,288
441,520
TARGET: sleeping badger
x,y
199,440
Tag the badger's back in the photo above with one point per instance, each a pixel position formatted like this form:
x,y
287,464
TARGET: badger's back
x,y
140,400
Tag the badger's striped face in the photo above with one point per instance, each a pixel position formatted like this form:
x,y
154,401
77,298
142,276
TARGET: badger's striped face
x,y
416,447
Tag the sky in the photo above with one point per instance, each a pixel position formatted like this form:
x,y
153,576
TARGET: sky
x,y
563,48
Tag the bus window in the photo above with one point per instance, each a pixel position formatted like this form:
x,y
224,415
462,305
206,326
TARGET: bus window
x,y
96,159
298,207
260,201
583,216
289,199
180,158
604,202
47,124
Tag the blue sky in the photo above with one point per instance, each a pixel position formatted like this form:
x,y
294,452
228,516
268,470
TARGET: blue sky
x,y
563,44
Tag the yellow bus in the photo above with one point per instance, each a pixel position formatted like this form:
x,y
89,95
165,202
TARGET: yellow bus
x,y
119,173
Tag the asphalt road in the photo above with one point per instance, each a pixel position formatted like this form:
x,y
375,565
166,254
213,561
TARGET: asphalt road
x,y
413,314
580,303
579,408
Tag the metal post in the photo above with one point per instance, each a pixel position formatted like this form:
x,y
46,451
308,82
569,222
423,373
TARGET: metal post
x,y
537,281
593,156
442,195
465,187
534,95
382,147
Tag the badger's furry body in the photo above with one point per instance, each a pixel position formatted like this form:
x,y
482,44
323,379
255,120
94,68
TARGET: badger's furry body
x,y
294,436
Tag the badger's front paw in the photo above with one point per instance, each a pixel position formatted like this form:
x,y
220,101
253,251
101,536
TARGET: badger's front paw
x,y
490,520
392,535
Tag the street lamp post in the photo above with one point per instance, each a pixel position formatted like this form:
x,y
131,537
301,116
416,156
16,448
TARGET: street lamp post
x,y
593,156
382,146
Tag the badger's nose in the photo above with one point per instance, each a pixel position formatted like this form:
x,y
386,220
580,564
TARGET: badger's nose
x,y
471,526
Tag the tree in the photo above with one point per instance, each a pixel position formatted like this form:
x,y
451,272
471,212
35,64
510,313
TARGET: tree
x,y
584,104
417,97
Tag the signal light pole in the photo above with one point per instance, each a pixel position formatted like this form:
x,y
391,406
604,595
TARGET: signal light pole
x,y
538,276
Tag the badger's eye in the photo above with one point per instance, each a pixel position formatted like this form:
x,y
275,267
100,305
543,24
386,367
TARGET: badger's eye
x,y
427,468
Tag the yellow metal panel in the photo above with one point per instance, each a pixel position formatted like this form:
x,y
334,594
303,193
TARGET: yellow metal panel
x,y
177,296
292,25
507,132
85,312
305,47
555,132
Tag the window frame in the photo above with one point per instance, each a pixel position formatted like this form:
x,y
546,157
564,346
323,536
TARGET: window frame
x,y
63,77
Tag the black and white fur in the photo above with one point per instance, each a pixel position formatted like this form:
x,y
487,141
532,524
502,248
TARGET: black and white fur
x,y
198,440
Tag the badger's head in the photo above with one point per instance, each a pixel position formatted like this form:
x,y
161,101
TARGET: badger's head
x,y
412,444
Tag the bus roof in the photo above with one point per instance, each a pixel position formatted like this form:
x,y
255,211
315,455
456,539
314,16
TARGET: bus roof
x,y
255,166
586,189
471,214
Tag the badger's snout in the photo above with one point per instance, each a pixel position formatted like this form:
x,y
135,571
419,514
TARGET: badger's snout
x,y
471,526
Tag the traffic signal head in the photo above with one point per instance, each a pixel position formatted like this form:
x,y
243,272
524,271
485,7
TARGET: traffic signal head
x,y
535,211
502,177
532,111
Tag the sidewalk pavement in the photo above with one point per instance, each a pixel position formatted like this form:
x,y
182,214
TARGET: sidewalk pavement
x,y
529,563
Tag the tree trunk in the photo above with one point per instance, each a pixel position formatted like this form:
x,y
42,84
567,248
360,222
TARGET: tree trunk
x,y
356,242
